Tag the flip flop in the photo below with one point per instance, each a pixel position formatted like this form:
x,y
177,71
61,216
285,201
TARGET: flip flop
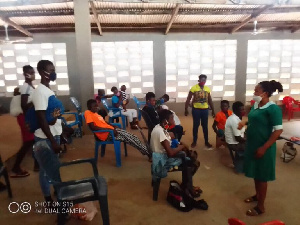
x,y
254,211
197,189
20,174
251,199
201,204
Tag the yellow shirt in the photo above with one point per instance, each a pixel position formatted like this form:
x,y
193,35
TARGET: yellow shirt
x,y
200,97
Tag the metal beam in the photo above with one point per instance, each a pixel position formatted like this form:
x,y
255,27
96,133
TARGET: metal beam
x,y
16,26
96,16
174,14
249,18
295,29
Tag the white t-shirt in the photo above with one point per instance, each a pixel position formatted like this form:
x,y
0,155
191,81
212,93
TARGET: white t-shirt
x,y
40,98
26,89
158,135
231,129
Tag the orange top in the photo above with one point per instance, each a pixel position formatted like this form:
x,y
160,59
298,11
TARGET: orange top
x,y
98,121
221,119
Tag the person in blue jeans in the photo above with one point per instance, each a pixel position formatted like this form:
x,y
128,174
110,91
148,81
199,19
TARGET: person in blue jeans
x,y
201,100
47,137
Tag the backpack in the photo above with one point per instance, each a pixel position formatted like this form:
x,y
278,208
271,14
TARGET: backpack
x,y
178,198
54,110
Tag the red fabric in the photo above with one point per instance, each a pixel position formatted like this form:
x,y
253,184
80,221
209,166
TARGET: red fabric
x,y
26,135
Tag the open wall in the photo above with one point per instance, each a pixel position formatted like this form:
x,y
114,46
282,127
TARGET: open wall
x,y
245,72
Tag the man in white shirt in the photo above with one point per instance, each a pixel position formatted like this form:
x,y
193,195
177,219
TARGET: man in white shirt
x,y
26,91
48,132
233,136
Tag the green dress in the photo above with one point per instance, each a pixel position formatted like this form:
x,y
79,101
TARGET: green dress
x,y
261,123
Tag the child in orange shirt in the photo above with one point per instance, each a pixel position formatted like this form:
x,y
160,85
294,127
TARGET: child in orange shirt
x,y
220,121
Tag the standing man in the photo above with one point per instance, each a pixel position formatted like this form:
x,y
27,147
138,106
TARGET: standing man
x,y
201,100
48,135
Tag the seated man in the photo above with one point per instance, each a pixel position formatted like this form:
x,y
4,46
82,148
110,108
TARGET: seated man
x,y
101,94
219,122
149,108
96,122
234,137
117,102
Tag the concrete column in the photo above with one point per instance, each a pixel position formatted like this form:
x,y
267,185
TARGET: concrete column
x,y
83,51
159,64
241,70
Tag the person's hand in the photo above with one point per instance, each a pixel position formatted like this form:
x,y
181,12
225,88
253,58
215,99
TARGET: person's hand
x,y
241,125
115,132
56,147
260,152
186,112
213,114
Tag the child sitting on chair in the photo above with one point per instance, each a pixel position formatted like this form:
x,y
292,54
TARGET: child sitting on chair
x,y
220,121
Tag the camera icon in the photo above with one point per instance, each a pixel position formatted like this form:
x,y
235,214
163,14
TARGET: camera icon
x,y
15,207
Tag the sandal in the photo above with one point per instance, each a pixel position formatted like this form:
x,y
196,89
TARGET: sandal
x,y
201,204
197,189
251,199
19,174
254,211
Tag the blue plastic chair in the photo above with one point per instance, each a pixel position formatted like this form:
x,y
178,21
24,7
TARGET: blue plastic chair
x,y
74,191
78,118
117,145
117,113
139,105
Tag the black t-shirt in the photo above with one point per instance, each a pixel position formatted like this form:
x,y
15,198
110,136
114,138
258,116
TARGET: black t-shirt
x,y
152,114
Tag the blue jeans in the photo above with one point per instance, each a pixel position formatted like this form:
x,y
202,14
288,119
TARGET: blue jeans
x,y
200,114
48,161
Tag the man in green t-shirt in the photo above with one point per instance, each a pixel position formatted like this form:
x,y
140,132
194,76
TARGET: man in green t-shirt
x,y
201,99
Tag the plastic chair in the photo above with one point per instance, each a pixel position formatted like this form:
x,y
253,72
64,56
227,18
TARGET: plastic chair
x,y
78,121
139,106
148,122
234,221
156,180
274,222
74,191
289,103
117,145
117,113
3,172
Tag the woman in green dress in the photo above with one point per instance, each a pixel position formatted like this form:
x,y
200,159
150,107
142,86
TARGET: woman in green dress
x,y
264,128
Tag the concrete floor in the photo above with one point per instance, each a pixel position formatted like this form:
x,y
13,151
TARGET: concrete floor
x,y
130,193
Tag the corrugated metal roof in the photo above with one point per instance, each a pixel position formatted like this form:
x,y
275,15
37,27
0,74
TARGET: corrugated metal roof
x,y
133,19
279,17
211,19
36,20
119,5
52,6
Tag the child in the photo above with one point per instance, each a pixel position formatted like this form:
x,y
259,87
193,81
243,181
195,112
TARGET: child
x,y
220,121
193,155
125,101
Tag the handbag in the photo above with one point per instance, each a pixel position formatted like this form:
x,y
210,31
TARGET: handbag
x,y
289,152
15,106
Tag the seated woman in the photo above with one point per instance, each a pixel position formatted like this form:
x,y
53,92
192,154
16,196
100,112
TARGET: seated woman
x,y
96,122
164,155
117,102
